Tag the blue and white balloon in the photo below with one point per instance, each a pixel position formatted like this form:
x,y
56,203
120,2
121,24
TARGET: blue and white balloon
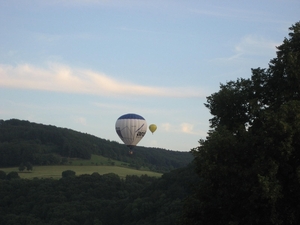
x,y
131,128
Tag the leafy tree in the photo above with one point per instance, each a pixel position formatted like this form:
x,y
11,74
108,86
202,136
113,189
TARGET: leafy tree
x,y
12,175
249,164
68,173
22,167
29,166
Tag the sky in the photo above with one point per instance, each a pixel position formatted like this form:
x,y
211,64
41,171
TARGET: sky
x,y
81,64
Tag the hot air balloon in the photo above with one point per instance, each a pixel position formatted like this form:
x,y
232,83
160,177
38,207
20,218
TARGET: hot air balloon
x,y
152,128
131,128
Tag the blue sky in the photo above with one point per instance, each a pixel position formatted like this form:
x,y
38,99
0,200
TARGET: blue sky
x,y
80,64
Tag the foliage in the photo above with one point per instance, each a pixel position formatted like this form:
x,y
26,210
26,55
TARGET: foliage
x,y
22,167
249,164
2,175
68,173
24,141
29,166
12,175
95,199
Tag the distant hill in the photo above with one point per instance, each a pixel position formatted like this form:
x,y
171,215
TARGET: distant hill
x,y
23,141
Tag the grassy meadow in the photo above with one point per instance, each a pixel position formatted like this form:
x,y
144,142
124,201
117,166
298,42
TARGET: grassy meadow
x,y
56,171
96,160
97,164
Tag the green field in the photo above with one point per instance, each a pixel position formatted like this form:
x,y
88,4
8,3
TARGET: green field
x,y
98,160
97,164
56,171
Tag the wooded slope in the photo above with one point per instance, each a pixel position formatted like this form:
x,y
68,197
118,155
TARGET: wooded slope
x,y
23,141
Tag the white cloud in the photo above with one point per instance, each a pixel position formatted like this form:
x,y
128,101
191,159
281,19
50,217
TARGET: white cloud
x,y
215,13
234,12
250,46
255,45
187,128
184,127
62,78
48,37
166,126
107,3
80,120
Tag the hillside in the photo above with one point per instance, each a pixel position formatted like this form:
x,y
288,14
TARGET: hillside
x,y
23,141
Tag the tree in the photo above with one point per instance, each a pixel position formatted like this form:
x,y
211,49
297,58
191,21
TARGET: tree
x,y
68,173
12,175
249,164
29,166
21,167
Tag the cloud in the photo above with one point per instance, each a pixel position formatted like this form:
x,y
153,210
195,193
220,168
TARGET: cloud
x,y
214,13
62,78
190,129
48,37
166,126
187,128
249,46
107,3
184,127
80,120
255,45
233,13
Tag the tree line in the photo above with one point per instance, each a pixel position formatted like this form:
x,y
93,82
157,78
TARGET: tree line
x,y
23,141
95,199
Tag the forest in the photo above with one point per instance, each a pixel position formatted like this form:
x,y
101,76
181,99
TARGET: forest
x,y
95,199
246,171
28,142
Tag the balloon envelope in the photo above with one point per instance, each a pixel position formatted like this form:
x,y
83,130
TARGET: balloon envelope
x,y
131,128
152,128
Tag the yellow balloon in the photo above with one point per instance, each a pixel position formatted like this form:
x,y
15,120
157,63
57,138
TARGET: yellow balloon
x,y
152,128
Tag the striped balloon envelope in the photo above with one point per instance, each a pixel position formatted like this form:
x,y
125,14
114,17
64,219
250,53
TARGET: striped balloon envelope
x,y
131,128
